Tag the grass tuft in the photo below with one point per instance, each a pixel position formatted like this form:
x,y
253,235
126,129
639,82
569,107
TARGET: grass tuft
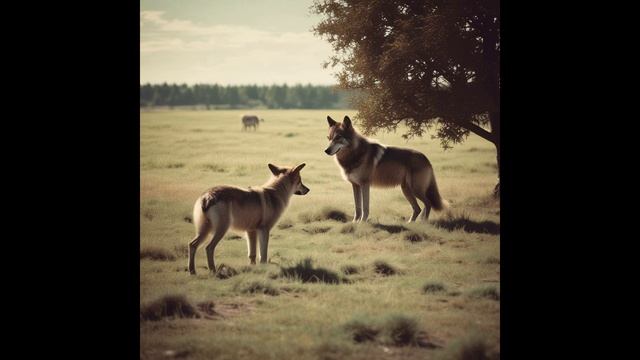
x,y
391,229
181,250
285,224
326,213
213,167
492,260
305,272
257,287
402,330
361,331
169,306
207,307
383,268
463,222
313,230
156,253
350,269
433,287
348,229
413,237
468,348
487,292
225,272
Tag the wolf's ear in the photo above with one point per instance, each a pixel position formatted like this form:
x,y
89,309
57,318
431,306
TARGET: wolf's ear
x,y
299,167
346,122
331,121
275,170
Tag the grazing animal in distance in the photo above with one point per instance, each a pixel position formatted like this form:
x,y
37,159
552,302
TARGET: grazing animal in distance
x,y
250,121
365,163
255,211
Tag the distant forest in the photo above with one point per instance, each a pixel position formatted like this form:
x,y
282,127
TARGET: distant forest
x,y
244,96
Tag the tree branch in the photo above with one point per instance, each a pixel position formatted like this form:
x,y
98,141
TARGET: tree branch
x,y
479,131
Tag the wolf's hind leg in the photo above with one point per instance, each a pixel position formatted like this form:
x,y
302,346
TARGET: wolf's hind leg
x,y
408,193
193,246
424,215
252,237
203,228
221,229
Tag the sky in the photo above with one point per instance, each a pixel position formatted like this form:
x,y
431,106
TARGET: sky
x,y
231,42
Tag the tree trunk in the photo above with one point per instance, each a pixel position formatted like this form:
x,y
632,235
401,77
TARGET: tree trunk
x,y
496,189
494,119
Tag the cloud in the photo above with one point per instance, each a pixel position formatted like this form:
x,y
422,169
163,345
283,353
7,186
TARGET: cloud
x,y
160,34
183,51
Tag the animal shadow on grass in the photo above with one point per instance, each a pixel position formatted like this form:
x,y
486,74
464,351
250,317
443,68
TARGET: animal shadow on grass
x,y
305,271
463,222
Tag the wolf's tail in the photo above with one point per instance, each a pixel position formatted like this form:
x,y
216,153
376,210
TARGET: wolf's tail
x,y
437,202
199,212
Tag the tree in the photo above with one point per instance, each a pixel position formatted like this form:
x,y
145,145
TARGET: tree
x,y
146,95
232,95
423,62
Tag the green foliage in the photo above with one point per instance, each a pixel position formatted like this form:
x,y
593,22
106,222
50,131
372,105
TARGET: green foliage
x,y
421,62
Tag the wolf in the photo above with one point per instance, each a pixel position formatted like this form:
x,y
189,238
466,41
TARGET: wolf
x,y
254,210
365,163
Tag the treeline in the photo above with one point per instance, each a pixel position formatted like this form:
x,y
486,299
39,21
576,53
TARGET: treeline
x,y
243,96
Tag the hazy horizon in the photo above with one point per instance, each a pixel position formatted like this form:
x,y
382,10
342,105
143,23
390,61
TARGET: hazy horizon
x,y
247,42
239,84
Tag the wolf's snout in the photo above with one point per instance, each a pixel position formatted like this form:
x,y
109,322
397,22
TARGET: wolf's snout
x,y
328,151
304,191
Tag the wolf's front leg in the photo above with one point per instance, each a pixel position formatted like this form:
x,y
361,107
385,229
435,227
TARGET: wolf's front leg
x,y
263,239
365,202
252,238
357,198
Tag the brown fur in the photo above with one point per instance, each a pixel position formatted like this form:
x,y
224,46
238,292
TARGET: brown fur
x,y
255,210
365,163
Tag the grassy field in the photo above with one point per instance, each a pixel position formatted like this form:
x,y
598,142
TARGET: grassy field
x,y
380,290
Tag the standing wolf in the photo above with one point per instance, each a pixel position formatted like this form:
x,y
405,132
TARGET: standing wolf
x,y
255,211
365,163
